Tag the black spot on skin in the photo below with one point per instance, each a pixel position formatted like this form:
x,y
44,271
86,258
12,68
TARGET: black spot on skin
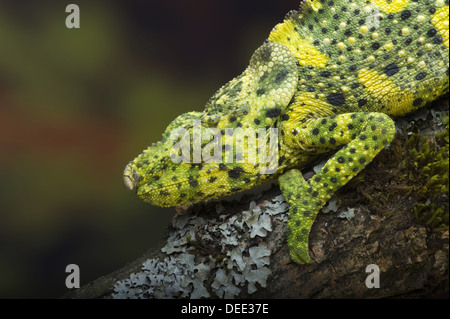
x,y
257,122
284,117
332,127
391,69
260,92
421,76
325,74
438,40
212,179
236,172
332,140
274,112
341,159
376,46
223,167
193,183
232,118
362,102
352,67
431,33
333,179
336,99
315,131
405,14
362,160
417,101
281,76
322,140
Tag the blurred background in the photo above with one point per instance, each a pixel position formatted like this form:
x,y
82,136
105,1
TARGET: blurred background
x,y
77,104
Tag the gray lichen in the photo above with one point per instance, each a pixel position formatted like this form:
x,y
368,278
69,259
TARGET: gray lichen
x,y
222,251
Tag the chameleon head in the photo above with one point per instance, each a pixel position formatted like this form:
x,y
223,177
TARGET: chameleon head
x,y
252,101
160,180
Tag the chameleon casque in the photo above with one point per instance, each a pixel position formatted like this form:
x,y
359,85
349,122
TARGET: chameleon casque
x,y
329,78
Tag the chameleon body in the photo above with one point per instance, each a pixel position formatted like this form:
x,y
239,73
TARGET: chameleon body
x,y
330,77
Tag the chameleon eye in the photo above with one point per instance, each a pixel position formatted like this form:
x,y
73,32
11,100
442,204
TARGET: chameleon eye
x,y
130,178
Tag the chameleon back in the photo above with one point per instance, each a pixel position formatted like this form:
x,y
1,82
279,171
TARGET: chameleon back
x,y
376,55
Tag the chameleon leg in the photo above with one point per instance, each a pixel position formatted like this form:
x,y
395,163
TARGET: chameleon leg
x,y
360,136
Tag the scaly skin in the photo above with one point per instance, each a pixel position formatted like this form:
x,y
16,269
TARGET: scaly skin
x,y
330,77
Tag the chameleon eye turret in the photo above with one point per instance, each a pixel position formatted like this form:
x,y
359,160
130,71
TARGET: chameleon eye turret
x,y
329,78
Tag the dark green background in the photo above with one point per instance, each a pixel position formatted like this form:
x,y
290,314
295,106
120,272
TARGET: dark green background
x,y
77,104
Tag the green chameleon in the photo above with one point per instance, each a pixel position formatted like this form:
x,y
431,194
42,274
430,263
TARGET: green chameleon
x,y
329,78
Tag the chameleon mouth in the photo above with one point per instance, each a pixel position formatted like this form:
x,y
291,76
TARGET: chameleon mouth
x,y
130,177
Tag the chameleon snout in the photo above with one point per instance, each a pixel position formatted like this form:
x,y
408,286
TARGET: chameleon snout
x,y
130,177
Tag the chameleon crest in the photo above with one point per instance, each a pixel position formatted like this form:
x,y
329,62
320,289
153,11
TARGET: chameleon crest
x,y
329,77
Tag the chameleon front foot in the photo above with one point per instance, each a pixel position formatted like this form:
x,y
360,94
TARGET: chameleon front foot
x,y
302,213
360,136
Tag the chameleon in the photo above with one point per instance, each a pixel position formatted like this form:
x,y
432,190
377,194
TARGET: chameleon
x,y
330,79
